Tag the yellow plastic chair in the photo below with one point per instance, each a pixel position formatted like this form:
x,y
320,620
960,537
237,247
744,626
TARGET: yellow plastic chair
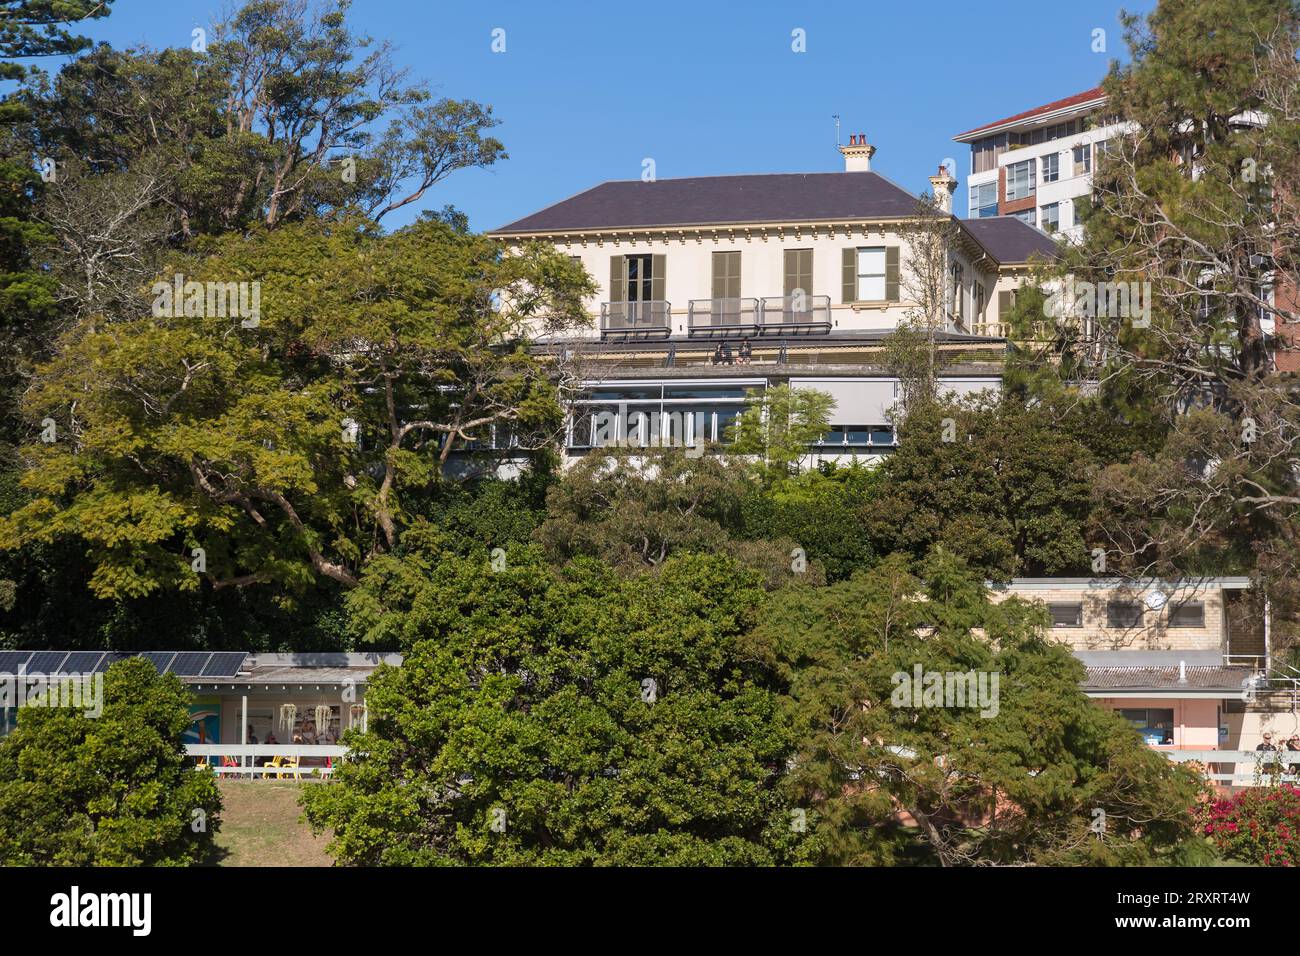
x,y
276,761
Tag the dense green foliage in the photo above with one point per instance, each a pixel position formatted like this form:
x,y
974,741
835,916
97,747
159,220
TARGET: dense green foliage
x,y
1011,776
109,790
567,717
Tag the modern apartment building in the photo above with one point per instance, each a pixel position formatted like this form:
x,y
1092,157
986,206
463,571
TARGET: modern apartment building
x,y
1037,165
802,274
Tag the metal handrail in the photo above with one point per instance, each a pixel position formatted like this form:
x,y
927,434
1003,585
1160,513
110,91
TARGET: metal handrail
x,y
717,318
648,316
777,314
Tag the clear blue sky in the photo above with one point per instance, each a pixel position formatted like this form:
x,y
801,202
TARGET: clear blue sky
x,y
586,91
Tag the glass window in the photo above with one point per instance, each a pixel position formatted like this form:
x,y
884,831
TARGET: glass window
x,y
1027,215
1051,217
1123,614
984,201
639,280
1188,614
703,391
1051,167
882,435
871,274
1021,181
1066,615
1155,724
1082,159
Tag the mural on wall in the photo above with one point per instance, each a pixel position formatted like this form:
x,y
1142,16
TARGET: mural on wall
x,y
205,721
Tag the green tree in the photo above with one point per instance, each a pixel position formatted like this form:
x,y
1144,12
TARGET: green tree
x,y
567,717
109,790
288,450
826,512
1012,777
778,426
636,514
1005,487
1195,202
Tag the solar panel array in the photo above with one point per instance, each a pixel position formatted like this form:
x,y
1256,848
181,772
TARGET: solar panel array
x,y
216,664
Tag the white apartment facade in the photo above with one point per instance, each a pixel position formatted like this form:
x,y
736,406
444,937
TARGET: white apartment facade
x,y
1038,164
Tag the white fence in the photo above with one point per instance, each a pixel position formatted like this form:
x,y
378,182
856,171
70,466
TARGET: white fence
x,y
281,761
1243,768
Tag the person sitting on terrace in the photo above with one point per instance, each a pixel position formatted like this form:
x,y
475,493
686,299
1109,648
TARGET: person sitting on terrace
x,y
726,353
746,351
717,355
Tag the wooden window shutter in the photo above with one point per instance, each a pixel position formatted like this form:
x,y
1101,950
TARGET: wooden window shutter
x,y
726,275
617,279
891,274
849,274
658,275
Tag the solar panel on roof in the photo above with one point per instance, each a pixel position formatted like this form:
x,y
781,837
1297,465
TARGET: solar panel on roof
x,y
224,664
111,658
82,662
159,659
10,661
46,662
189,663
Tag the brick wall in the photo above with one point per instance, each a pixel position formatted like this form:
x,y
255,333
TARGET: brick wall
x,y
1154,634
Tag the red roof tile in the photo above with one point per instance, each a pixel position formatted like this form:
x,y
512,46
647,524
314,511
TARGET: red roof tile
x,y
1093,94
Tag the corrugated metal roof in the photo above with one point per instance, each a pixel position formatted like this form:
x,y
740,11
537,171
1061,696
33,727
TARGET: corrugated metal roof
x,y
1228,679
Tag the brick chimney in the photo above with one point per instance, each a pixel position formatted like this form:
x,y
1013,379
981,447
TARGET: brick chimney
x,y
943,185
857,155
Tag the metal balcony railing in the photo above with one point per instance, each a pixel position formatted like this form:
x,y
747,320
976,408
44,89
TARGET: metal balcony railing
x,y
720,318
788,314
651,318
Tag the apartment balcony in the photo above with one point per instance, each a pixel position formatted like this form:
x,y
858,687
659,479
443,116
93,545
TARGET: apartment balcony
x,y
722,318
794,315
622,321
774,315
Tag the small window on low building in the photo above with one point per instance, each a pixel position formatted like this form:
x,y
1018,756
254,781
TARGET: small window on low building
x,y
1155,724
1066,615
1187,614
1123,614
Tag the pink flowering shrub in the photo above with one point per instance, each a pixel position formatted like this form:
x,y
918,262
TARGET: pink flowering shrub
x,y
1260,825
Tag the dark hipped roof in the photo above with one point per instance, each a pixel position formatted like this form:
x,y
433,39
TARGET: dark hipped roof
x,y
1078,99
1007,239
723,200
1228,679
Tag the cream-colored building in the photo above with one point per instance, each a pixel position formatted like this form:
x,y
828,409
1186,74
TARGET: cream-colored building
x,y
713,287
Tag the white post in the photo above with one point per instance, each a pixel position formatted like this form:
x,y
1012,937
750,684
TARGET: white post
x,y
243,729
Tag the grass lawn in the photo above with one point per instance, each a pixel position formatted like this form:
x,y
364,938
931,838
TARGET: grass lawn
x,y
260,826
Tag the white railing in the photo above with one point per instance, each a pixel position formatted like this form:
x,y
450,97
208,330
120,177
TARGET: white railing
x,y
281,761
1249,768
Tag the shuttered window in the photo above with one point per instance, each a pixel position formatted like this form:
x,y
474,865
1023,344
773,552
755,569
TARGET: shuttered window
x,y
617,279
798,271
658,277
869,274
1066,615
1188,614
726,275
891,274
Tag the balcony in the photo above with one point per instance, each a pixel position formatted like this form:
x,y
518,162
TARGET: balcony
x,y
722,318
794,315
622,321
